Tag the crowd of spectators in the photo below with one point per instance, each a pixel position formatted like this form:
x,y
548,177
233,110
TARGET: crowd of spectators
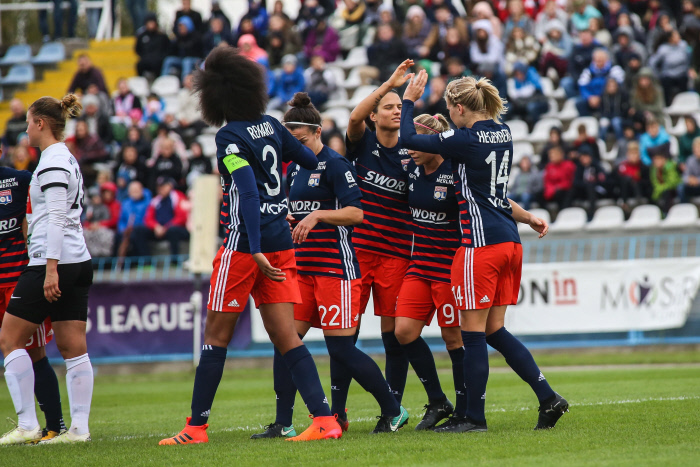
x,y
622,62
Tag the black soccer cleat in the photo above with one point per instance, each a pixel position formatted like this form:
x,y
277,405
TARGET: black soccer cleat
x,y
459,424
275,430
434,413
551,411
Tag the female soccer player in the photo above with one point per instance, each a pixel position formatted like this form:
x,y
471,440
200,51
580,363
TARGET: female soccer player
x,y
257,256
487,267
14,191
57,280
383,241
324,203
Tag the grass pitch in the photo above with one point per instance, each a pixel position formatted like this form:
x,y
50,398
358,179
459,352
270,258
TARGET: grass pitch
x,y
644,412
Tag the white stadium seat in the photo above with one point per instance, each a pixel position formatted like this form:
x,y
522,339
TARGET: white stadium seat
x,y
338,73
540,132
553,108
338,98
353,80
674,148
684,103
340,115
360,94
591,124
139,86
548,88
172,105
681,216
569,220
521,149
208,143
646,216
569,110
541,213
607,218
518,129
279,115
166,86
356,57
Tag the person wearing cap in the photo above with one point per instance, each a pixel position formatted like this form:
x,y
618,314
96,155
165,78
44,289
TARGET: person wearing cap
x,y
287,82
626,46
486,49
165,219
187,11
152,46
86,75
555,52
185,49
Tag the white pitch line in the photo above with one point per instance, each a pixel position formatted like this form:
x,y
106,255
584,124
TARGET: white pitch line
x,y
417,410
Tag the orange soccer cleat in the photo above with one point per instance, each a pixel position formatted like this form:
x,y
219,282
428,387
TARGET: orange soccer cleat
x,y
321,428
344,423
188,435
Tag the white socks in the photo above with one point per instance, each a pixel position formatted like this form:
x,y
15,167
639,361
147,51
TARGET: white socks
x,y
19,375
79,380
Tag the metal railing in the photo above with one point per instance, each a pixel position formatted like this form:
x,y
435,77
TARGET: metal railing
x,y
105,28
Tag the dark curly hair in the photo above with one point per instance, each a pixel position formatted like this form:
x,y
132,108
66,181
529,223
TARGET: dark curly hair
x,y
231,87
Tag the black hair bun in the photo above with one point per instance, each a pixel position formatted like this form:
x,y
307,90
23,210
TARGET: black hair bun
x,y
300,100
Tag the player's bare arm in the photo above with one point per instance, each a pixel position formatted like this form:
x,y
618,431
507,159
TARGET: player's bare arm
x,y
356,125
537,224
348,215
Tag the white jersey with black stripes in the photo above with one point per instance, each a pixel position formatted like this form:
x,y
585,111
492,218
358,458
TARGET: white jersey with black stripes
x,y
57,169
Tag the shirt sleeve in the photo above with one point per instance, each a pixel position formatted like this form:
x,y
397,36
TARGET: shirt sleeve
x,y
56,205
446,143
293,150
343,180
353,147
50,177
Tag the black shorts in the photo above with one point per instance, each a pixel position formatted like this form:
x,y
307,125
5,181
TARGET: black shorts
x,y
74,281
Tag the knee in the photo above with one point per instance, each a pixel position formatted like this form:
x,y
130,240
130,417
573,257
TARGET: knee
x,y
452,338
405,334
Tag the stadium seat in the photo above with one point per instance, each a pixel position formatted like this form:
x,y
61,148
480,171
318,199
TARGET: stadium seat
x,y
338,98
208,143
569,110
591,124
646,216
684,103
172,104
340,115
360,94
548,88
356,57
674,149
606,155
526,229
680,216
338,73
50,53
22,73
521,149
518,129
540,132
607,218
279,115
21,53
553,109
139,86
570,220
353,80
679,129
166,86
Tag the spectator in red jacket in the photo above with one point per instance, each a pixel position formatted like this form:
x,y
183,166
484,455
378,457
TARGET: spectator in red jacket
x,y
166,219
559,178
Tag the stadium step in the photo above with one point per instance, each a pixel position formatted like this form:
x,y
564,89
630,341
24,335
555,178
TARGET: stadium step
x,y
116,59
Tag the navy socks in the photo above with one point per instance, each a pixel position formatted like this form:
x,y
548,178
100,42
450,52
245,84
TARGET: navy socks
x,y
206,382
340,384
305,375
476,374
423,363
457,357
47,394
396,365
520,360
285,390
364,370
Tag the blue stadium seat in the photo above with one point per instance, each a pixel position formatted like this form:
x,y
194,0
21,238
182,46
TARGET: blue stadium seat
x,y
22,73
50,53
21,53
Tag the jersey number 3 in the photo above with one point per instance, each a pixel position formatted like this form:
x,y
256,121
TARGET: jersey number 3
x,y
274,170
499,177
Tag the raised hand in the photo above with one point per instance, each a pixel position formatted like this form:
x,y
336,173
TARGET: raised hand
x,y
416,87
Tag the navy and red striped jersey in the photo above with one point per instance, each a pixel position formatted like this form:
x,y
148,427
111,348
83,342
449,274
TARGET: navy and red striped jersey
x,y
481,161
436,235
328,249
381,172
264,145
14,190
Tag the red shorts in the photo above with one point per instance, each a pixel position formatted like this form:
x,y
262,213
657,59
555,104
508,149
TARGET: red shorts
x,y
328,302
236,276
43,334
487,276
382,275
419,299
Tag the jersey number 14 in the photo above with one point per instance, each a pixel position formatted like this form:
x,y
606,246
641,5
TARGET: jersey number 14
x,y
500,176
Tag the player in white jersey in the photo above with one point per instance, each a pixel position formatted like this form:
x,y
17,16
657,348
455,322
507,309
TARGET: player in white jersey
x,y
57,280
